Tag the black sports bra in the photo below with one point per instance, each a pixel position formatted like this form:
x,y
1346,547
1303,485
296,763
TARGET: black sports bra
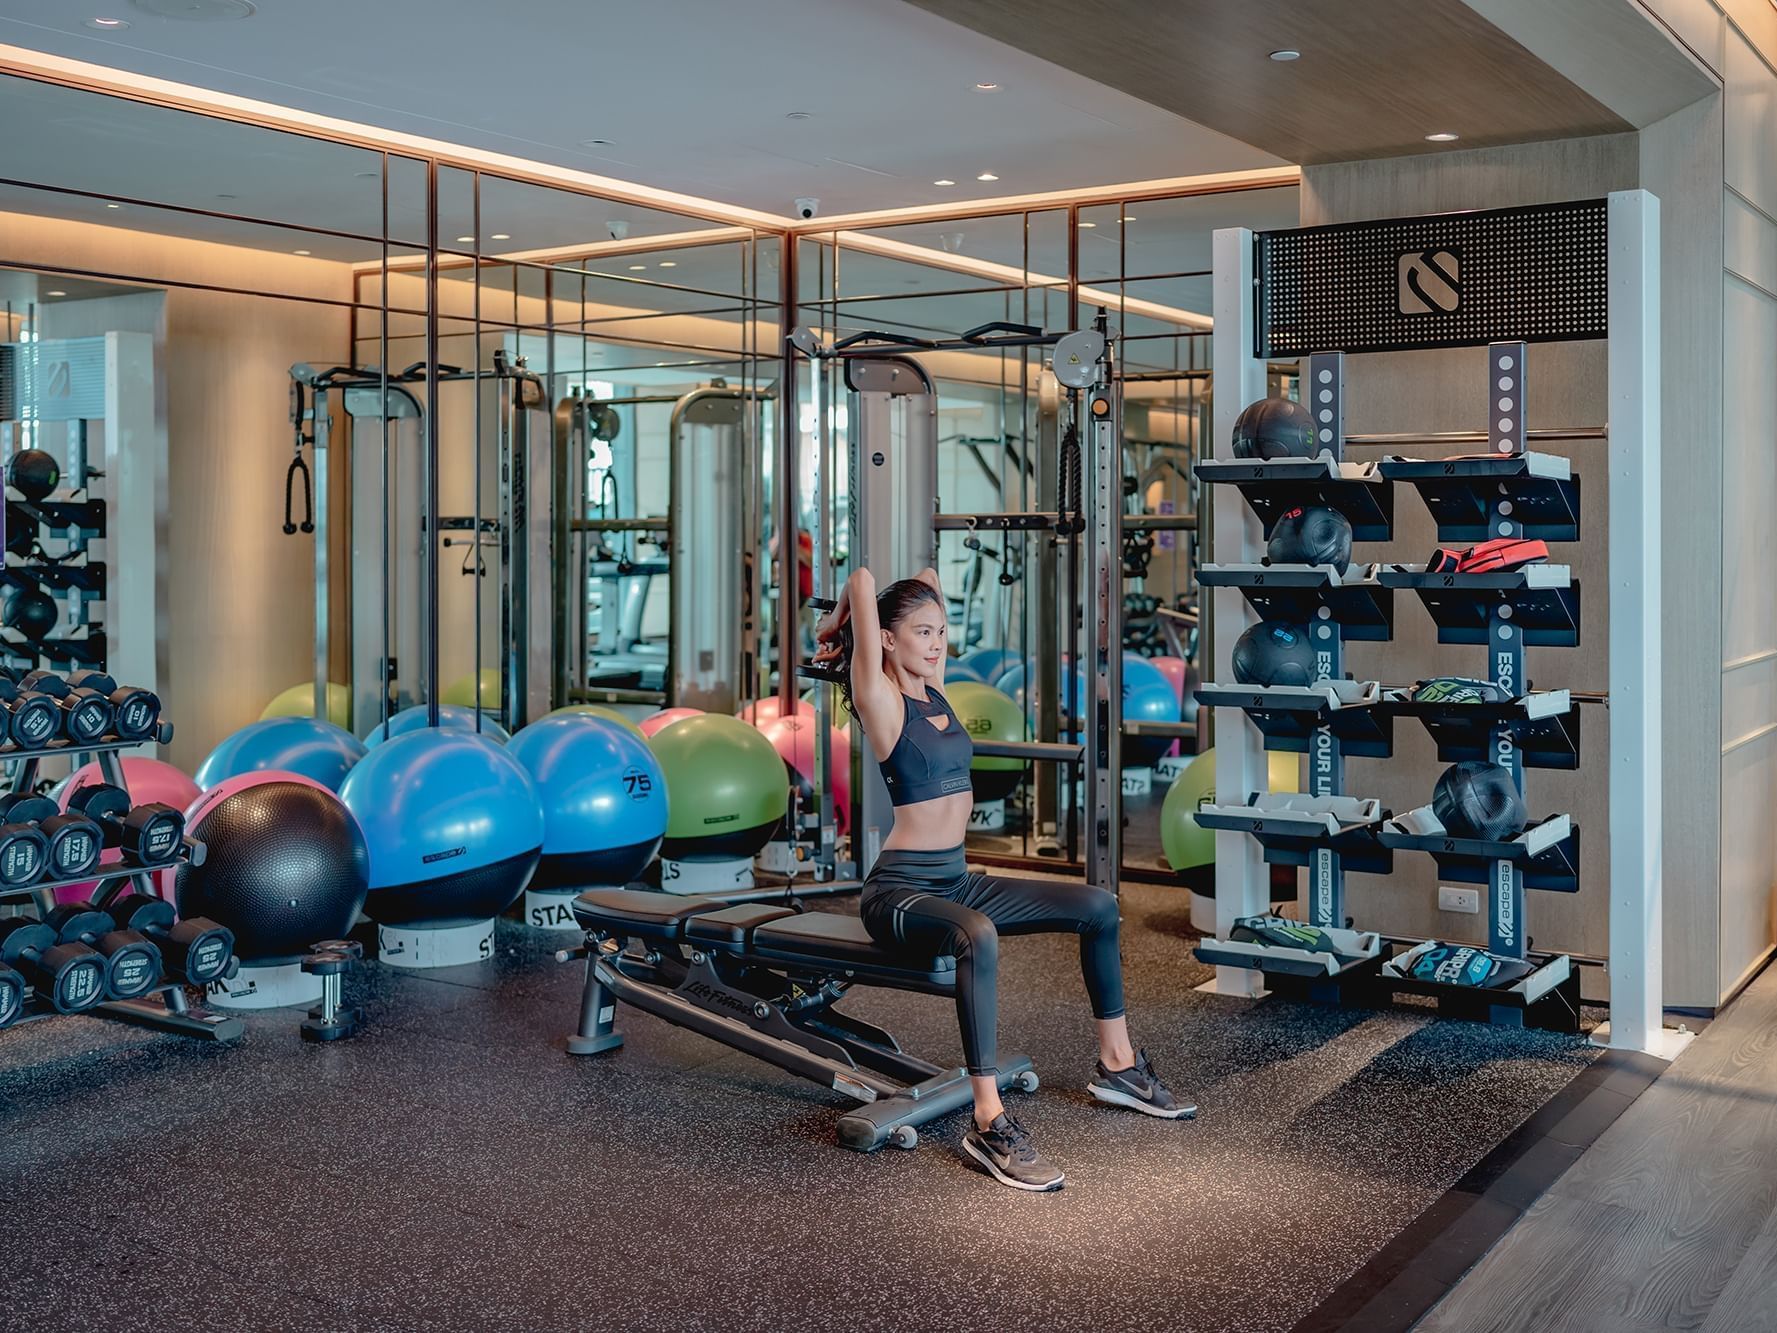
x,y
928,762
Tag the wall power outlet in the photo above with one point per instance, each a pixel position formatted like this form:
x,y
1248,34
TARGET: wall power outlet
x,y
1458,900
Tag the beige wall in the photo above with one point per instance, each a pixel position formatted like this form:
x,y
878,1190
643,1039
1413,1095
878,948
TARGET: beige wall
x,y
238,594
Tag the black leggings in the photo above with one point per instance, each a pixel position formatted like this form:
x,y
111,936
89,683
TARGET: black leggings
x,y
929,899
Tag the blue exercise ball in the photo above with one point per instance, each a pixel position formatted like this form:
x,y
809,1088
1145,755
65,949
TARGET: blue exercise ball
x,y
603,795
301,745
1148,696
991,663
1019,683
451,717
957,669
454,827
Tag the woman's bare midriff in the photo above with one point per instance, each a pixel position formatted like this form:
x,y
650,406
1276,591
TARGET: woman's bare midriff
x,y
929,826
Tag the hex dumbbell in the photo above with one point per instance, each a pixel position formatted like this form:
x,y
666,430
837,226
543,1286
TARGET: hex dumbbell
x,y
150,835
68,977
86,714
72,842
196,949
132,961
29,719
134,711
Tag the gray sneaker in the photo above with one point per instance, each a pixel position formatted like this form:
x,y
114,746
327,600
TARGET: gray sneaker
x,y
1140,1089
1006,1150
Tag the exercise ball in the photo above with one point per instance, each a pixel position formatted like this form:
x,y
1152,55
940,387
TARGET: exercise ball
x,y
1274,428
726,788
794,740
988,714
765,710
603,796
453,825
461,691
148,781
837,712
304,745
30,611
1190,848
451,717
596,710
956,670
1020,683
285,865
299,701
1148,696
34,474
664,718
989,663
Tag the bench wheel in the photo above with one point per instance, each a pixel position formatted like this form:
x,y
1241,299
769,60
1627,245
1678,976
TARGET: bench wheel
x,y
1026,1082
905,1136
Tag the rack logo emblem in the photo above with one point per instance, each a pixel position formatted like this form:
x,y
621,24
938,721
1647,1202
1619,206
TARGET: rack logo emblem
x,y
1430,282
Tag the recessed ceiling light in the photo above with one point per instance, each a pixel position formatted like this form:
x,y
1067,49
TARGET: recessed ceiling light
x,y
637,268
1443,136
669,263
55,293
595,143
944,182
1286,55
987,87
107,25
367,175
501,236
1088,224
1127,218
465,240
987,176
798,115
302,252
228,196
113,205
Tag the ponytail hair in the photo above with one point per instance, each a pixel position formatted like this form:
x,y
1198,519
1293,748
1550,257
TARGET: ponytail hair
x,y
893,605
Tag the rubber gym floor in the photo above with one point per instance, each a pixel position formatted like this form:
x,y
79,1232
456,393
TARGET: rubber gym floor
x,y
452,1168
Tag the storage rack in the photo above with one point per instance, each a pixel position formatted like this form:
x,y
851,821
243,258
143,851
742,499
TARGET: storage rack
x,y
1343,281
165,1008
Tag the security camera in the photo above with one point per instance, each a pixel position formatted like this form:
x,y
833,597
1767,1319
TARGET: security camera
x,y
618,228
807,208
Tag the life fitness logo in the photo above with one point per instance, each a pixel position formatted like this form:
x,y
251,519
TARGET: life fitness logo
x,y
1430,282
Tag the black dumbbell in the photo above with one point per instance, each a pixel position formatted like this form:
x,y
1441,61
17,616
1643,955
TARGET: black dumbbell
x,y
150,835
330,1020
70,977
134,710
24,853
132,961
197,949
86,714
72,841
12,996
31,719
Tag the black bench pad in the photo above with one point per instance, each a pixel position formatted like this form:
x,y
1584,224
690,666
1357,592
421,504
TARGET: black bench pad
x,y
654,916
828,939
731,928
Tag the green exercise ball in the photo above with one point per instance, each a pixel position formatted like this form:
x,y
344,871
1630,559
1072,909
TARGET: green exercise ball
x,y
988,714
299,701
462,692
596,710
727,788
1187,843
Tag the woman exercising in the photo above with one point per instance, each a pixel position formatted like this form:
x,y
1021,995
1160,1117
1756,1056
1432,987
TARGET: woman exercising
x,y
920,891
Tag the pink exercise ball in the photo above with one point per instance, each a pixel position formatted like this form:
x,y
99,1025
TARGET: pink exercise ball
x,y
769,710
147,780
665,718
794,740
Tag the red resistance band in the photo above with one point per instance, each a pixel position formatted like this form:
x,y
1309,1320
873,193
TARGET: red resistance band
x,y
1504,553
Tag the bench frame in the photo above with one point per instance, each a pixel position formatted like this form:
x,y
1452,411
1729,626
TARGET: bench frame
x,y
782,1013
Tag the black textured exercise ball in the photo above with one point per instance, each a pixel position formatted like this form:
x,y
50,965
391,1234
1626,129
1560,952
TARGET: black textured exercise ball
x,y
285,865
1312,536
1274,428
1274,652
21,530
1476,799
33,474
30,611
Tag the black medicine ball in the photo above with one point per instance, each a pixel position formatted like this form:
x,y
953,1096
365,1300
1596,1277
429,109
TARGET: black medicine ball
x,y
1312,536
33,474
1274,428
32,612
1274,652
1476,799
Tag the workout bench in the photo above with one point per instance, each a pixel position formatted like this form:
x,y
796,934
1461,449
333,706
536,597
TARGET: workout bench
x,y
764,979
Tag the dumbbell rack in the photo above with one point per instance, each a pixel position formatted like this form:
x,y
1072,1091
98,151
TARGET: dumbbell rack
x,y
1512,493
164,1008
1326,830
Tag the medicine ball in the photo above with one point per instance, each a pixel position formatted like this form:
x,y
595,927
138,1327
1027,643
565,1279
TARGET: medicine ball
x,y
1274,428
1274,652
1313,536
32,612
34,474
285,865
1475,799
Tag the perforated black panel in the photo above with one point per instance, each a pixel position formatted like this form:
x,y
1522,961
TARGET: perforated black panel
x,y
1534,274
